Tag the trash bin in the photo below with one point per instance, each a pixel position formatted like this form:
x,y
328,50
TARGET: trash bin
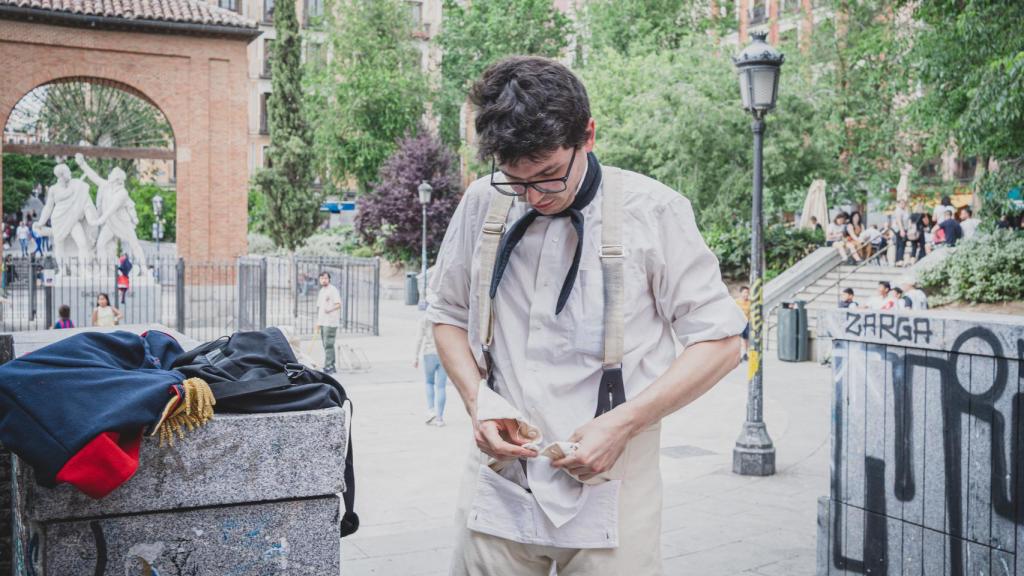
x,y
792,332
412,289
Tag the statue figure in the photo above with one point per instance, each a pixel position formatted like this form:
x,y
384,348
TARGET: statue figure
x,y
70,211
117,216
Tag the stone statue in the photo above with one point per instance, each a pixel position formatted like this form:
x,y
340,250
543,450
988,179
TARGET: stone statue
x,y
117,216
70,210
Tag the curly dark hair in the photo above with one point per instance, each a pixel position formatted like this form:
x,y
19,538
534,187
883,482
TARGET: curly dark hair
x,y
528,106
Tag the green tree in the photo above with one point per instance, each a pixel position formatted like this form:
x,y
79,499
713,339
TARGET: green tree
x,y
865,66
142,195
477,34
21,174
287,186
675,115
969,55
629,26
370,92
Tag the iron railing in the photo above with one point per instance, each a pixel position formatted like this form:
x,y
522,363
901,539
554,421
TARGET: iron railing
x,y
204,300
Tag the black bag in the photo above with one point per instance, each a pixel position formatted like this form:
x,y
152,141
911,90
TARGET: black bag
x,y
257,372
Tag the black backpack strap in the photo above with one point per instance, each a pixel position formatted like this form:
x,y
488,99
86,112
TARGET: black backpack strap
x,y
350,521
238,388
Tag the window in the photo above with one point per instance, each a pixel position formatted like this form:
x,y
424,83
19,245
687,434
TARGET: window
x,y
314,12
268,53
264,128
268,10
416,12
266,157
233,5
758,12
315,53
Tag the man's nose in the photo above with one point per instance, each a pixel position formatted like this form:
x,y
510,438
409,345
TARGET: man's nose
x,y
532,196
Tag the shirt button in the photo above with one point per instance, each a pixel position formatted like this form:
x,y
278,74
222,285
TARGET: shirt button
x,y
555,239
535,327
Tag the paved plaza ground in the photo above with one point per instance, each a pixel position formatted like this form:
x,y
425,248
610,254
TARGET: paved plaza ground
x,y
715,523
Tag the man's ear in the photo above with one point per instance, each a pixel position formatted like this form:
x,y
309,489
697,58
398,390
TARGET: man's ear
x,y
588,145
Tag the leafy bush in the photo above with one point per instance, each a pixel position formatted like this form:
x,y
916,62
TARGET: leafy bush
x,y
142,195
784,247
986,268
390,215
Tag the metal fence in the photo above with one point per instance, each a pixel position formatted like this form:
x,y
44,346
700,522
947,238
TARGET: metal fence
x,y
204,300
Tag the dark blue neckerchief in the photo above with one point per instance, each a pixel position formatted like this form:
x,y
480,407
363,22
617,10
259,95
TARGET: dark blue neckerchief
x,y
591,182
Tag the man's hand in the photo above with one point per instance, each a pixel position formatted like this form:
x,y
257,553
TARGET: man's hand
x,y
416,362
316,330
501,439
601,442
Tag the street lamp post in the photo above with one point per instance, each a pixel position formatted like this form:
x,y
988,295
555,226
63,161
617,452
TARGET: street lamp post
x,y
158,229
425,190
758,66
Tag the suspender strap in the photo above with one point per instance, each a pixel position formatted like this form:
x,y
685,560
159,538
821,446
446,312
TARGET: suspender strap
x,y
490,238
612,392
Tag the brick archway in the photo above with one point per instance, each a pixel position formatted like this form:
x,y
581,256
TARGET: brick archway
x,y
198,82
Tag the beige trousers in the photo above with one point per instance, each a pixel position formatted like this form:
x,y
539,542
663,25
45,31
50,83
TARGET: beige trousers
x,y
639,550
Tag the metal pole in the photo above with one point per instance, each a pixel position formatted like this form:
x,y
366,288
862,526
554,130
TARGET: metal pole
x,y
179,296
423,256
754,454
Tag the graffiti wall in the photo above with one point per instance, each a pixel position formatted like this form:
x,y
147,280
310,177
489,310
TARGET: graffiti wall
x,y
926,445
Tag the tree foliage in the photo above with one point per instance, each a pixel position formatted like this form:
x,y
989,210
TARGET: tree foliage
x,y
676,116
390,215
371,90
142,195
287,186
21,175
630,26
969,55
477,34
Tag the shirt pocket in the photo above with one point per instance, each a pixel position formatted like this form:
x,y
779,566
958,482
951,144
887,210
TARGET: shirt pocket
x,y
588,319
501,507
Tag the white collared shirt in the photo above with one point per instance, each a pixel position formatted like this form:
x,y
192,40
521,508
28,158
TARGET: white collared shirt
x,y
548,366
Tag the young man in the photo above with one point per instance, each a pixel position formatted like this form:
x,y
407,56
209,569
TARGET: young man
x,y
846,299
566,389
328,316
885,300
968,223
952,232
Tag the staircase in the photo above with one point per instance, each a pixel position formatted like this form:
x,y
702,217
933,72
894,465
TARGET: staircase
x,y
823,294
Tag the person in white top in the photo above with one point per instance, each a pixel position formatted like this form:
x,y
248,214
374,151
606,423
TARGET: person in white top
x,y
968,223
23,235
436,378
589,503
104,315
328,317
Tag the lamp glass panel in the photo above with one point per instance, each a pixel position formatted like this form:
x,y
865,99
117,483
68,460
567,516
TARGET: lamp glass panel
x,y
764,87
745,88
425,195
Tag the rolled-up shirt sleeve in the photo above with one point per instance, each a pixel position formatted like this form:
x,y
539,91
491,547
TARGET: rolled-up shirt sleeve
x,y
687,281
449,294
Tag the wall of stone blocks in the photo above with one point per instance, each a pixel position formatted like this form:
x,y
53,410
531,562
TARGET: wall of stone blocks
x,y
926,445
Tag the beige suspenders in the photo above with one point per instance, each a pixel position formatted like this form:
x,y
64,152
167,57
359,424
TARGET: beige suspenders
x,y
612,254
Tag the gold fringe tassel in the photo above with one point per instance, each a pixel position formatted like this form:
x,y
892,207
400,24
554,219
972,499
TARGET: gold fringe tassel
x,y
194,410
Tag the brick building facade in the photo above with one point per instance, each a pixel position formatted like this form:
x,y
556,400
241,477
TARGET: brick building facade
x,y
188,59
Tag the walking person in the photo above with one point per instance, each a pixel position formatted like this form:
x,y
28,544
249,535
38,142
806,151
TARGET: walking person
x,y
900,226
436,378
22,234
104,315
328,317
566,388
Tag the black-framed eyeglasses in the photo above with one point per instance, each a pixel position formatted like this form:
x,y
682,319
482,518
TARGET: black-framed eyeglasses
x,y
548,186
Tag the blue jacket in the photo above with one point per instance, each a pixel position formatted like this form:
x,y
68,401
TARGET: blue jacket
x,y
56,400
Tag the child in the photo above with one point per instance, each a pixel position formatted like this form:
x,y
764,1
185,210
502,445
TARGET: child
x,y
65,318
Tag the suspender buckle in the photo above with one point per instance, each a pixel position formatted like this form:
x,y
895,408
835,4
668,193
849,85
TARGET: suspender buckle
x,y
494,228
612,251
